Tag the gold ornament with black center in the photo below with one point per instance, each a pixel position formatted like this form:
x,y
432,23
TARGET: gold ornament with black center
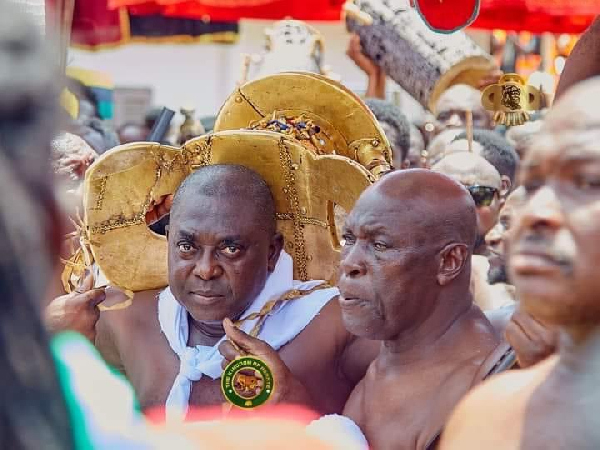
x,y
511,100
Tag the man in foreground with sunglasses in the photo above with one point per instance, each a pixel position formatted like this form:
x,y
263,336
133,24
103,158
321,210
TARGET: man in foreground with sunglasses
x,y
484,184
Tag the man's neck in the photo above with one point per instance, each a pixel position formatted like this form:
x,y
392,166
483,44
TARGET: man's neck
x,y
579,350
424,339
204,333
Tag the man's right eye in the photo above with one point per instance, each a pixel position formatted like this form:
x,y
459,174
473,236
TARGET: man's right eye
x,y
347,239
185,248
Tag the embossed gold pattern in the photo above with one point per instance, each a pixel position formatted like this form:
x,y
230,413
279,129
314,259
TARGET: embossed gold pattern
x,y
322,114
130,177
511,100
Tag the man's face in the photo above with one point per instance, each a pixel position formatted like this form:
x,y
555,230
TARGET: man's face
x,y
384,262
553,249
219,255
452,107
496,239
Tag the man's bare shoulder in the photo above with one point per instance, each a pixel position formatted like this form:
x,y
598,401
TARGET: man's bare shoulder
x,y
326,326
143,307
123,325
493,409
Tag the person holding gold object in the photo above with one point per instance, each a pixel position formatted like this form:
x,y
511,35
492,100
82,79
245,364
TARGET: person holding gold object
x,y
253,215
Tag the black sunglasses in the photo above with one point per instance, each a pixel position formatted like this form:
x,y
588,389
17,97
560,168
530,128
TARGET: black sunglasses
x,y
482,195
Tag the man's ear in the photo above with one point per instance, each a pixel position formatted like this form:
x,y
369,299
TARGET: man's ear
x,y
505,186
275,250
453,259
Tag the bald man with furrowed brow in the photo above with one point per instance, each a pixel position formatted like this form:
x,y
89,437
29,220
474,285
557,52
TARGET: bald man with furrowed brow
x,y
405,279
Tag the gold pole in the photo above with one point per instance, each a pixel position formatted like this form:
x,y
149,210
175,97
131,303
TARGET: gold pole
x,y
470,129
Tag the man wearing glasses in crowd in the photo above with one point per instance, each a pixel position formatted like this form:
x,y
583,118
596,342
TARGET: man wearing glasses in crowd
x,y
484,184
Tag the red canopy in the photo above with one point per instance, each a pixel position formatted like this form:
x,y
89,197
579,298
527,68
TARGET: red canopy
x,y
536,16
234,10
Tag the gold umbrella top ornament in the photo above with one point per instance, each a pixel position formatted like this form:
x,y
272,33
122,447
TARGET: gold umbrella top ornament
x,y
511,100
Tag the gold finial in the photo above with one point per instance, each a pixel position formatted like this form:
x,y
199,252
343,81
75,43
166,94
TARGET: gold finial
x,y
511,99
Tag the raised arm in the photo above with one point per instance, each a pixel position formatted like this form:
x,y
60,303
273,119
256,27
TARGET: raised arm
x,y
584,61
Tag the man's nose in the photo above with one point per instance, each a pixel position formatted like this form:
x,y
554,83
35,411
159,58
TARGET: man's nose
x,y
353,264
543,210
207,267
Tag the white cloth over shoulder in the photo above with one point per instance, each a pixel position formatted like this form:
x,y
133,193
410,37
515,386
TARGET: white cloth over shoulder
x,y
340,432
282,325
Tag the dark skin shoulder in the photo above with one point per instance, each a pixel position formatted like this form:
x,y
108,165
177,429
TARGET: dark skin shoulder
x,y
324,357
392,393
131,341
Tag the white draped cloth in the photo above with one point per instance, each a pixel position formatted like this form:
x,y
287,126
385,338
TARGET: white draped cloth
x,y
282,325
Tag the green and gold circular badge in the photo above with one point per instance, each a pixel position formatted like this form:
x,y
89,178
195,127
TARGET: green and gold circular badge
x,y
247,382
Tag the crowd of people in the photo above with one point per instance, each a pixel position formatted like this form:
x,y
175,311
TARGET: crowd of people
x,y
463,314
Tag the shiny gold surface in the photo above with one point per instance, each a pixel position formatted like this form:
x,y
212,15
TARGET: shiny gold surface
x,y
344,121
122,184
511,100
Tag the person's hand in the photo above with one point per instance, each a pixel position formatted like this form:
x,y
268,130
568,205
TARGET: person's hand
x,y
77,311
376,76
356,54
287,388
531,340
159,209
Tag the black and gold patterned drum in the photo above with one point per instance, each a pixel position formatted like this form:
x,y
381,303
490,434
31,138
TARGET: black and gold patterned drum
x,y
422,62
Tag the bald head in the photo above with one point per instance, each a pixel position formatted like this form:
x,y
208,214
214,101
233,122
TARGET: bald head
x,y
407,253
226,181
440,207
469,169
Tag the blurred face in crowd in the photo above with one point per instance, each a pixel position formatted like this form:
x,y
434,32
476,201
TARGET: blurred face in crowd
x,y
553,248
439,145
392,135
496,238
453,104
417,145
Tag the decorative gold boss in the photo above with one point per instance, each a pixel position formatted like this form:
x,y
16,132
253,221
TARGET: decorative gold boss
x,y
511,99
